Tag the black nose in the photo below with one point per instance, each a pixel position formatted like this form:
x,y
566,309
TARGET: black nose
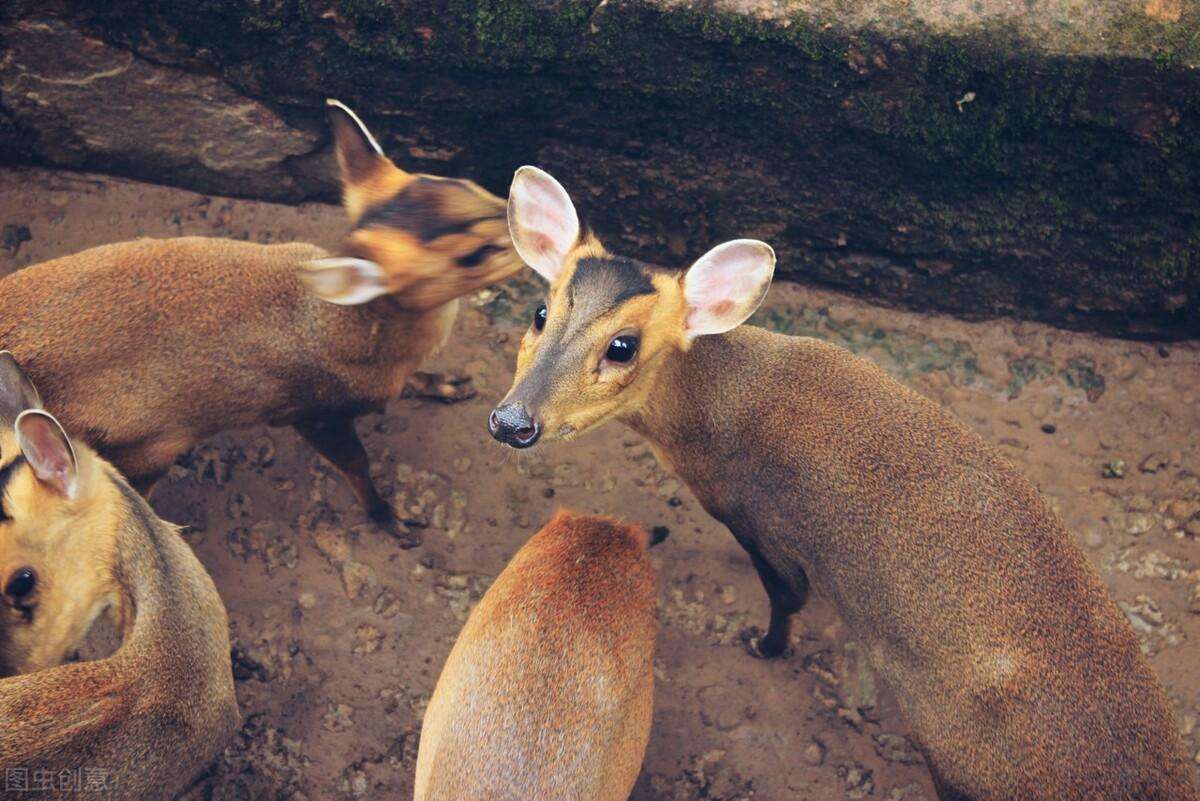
x,y
513,425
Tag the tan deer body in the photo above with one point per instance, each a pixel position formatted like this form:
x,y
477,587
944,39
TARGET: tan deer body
x,y
75,542
1019,676
146,348
548,691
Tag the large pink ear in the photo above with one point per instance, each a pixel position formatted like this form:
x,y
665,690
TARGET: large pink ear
x,y
541,221
726,286
48,450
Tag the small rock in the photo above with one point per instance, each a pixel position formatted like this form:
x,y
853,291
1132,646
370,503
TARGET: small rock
x,y
1139,524
13,235
1114,469
307,600
356,579
814,753
340,717
1181,509
367,640
238,506
896,748
1154,462
1093,537
859,781
333,544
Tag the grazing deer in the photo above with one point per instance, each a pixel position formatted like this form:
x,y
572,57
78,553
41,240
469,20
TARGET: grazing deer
x,y
145,348
77,541
1017,673
548,692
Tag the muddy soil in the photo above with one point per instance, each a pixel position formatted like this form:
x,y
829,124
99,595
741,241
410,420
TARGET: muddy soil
x,y
340,635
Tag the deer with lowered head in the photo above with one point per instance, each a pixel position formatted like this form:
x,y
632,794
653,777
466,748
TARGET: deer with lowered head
x,y
76,542
1017,673
145,348
548,692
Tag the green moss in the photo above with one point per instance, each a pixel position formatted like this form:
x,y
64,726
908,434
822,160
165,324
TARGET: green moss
x,y
901,353
1080,373
1026,369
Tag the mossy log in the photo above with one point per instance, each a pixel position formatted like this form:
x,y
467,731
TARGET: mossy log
x,y
952,156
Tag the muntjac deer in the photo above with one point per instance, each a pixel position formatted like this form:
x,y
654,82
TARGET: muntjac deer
x,y
75,542
145,348
1019,676
548,692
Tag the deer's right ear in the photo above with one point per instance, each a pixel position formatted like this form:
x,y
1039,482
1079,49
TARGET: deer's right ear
x,y
541,221
343,280
358,153
48,450
17,392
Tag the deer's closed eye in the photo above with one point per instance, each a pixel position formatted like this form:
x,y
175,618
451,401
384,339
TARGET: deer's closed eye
x,y
477,256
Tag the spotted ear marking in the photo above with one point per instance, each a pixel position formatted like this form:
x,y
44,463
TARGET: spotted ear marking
x,y
49,451
344,281
17,392
727,285
358,153
542,221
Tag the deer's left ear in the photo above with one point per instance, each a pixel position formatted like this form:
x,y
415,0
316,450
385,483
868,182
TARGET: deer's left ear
x,y
726,286
49,451
343,280
542,221
17,392
358,153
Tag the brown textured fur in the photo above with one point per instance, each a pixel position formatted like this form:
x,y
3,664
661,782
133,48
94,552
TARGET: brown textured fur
x,y
548,692
1018,674
146,348
143,722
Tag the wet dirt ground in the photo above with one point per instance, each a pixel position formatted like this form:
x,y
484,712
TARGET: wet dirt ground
x,y
340,635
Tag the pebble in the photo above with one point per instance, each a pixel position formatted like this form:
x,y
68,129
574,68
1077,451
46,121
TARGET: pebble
x,y
1154,462
1139,524
340,717
367,639
356,579
1093,537
1114,469
814,753
307,600
1181,509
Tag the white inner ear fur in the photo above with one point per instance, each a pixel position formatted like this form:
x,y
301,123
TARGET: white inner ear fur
x,y
541,221
343,280
363,128
727,285
48,450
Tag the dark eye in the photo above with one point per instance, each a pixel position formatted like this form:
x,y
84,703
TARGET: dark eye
x,y
21,583
476,257
622,349
539,318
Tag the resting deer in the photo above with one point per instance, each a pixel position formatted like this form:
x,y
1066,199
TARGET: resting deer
x,y
548,692
145,348
77,541
1019,676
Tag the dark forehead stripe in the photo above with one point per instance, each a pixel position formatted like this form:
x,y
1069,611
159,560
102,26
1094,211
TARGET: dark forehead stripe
x,y
6,474
420,209
605,283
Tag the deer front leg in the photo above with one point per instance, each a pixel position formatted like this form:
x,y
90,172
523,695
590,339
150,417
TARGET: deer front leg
x,y
786,599
333,436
